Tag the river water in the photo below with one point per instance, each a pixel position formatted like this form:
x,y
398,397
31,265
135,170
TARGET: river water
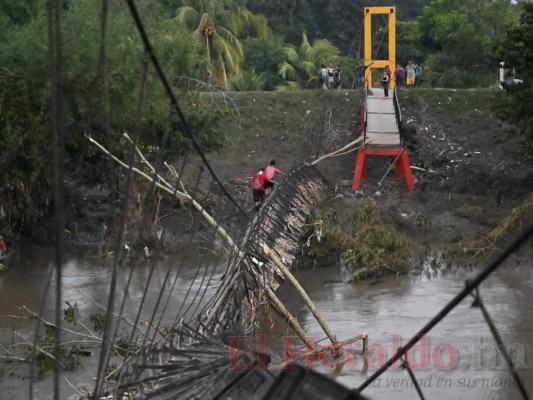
x,y
458,359
86,284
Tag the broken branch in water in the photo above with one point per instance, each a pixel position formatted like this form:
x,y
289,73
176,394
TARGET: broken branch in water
x,y
289,318
302,293
39,349
335,348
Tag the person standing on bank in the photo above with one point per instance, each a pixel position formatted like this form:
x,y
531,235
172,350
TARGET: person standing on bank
x,y
399,73
385,81
410,69
387,71
338,78
331,75
418,75
323,77
359,76
270,172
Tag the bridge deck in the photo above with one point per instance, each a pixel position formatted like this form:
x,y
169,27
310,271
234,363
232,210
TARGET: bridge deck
x,y
381,129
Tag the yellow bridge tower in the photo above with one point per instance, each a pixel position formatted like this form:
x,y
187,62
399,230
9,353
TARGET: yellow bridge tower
x,y
381,116
370,62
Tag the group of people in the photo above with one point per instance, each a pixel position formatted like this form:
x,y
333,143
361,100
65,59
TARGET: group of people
x,y
413,73
262,183
330,76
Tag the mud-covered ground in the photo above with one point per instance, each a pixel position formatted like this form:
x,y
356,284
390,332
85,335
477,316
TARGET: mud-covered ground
x,y
470,169
475,169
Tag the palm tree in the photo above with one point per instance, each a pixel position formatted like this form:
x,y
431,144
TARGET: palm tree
x,y
216,24
302,65
248,81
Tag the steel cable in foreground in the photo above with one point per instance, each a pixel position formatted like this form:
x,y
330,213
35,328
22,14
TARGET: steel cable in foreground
x,y
471,286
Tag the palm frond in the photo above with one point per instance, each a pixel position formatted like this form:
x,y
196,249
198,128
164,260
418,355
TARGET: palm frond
x,y
219,71
323,51
228,51
312,82
310,68
292,54
248,80
305,46
231,39
187,17
258,23
287,71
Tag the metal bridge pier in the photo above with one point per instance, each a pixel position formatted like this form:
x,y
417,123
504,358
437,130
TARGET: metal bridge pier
x,y
381,122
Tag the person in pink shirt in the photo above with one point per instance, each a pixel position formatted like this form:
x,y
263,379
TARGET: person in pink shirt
x,y
270,172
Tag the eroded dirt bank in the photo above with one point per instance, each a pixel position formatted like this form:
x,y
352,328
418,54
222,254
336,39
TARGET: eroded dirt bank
x,y
470,169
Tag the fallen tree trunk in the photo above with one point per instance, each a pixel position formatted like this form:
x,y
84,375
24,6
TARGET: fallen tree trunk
x,y
181,195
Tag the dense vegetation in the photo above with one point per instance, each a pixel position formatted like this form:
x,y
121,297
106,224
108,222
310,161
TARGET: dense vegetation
x,y
241,45
368,248
516,48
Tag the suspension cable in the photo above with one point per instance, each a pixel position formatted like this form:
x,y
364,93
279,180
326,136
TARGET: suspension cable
x,y
479,303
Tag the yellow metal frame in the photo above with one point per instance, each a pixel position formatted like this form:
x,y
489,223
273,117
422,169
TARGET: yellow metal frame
x,y
369,61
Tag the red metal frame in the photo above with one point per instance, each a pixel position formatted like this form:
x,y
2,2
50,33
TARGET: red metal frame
x,y
402,166
362,119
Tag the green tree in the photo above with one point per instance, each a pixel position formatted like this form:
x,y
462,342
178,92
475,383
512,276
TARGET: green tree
x,y
265,54
516,50
408,46
215,25
248,81
288,18
19,12
458,35
339,21
300,70
24,128
25,137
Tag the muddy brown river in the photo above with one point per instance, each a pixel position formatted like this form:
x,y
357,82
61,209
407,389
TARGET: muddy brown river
x,y
457,359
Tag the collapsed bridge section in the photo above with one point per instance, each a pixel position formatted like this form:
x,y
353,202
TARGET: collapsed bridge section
x,y
251,273
196,358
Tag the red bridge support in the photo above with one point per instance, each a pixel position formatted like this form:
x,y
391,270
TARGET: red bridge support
x,y
401,165
362,119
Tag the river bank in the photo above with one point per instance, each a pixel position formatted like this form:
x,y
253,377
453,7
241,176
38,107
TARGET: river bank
x,y
470,169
